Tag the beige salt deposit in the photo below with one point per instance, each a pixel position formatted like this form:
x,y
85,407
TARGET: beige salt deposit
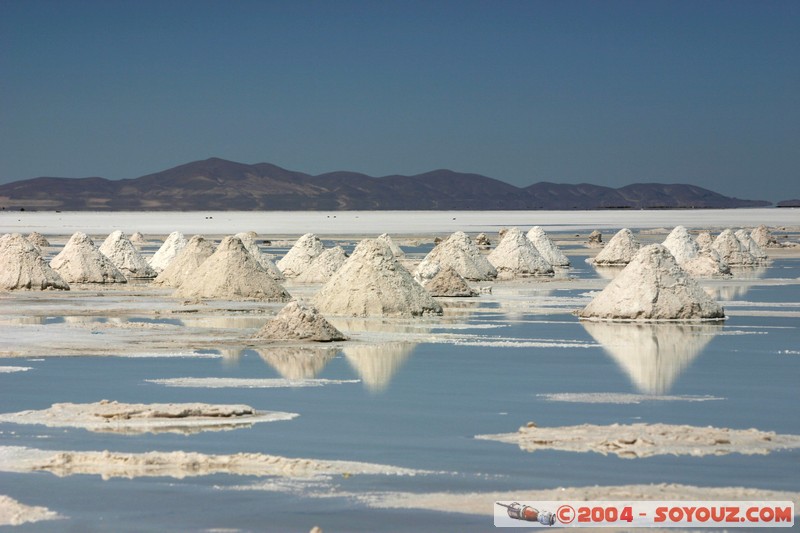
x,y
447,282
138,238
633,441
619,250
762,236
125,256
167,252
182,464
14,513
396,250
696,262
116,417
652,287
183,265
482,241
373,283
547,248
459,252
80,261
704,240
301,255
595,240
750,245
22,266
231,273
322,267
298,321
266,261
731,250
38,240
516,256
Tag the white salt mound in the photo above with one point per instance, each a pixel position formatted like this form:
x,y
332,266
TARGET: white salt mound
x,y
517,256
448,282
426,271
231,273
619,250
183,265
171,247
460,253
731,250
138,238
547,248
38,240
323,266
125,256
265,260
751,246
704,240
299,321
300,256
595,240
652,287
81,262
22,266
762,236
373,283
396,250
696,262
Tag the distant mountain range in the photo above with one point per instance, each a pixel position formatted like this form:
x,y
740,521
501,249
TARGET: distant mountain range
x,y
217,184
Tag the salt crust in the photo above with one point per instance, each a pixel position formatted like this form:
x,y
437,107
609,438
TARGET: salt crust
x,y
635,441
547,248
516,256
125,256
265,260
183,265
459,252
231,273
80,261
115,417
14,513
652,287
373,283
167,252
619,250
22,266
299,321
300,256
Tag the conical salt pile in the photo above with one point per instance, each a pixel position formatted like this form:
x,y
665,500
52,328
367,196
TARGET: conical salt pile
x,y
22,266
547,248
138,238
125,257
696,262
652,287
751,246
299,322
38,240
265,260
231,273
704,240
761,235
619,250
595,240
396,250
460,253
300,255
517,256
447,282
372,283
181,268
731,250
81,262
172,245
323,266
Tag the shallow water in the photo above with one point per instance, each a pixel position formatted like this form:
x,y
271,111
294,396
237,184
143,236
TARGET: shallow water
x,y
419,404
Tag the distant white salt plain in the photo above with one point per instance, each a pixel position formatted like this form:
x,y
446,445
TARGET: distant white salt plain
x,y
362,222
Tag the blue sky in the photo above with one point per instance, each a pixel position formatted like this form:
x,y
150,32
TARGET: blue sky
x,y
606,92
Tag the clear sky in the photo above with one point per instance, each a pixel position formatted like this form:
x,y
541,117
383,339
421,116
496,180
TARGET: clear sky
x,y
606,92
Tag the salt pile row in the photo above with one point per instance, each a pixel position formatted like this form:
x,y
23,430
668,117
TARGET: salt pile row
x,y
697,262
80,261
738,248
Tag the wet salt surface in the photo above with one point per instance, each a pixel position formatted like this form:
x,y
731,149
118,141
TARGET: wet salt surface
x,y
419,405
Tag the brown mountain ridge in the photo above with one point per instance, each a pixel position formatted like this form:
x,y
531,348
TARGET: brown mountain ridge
x,y
217,184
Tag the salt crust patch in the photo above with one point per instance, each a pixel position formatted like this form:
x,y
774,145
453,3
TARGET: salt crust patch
x,y
10,369
182,464
270,383
645,440
620,398
14,513
115,417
